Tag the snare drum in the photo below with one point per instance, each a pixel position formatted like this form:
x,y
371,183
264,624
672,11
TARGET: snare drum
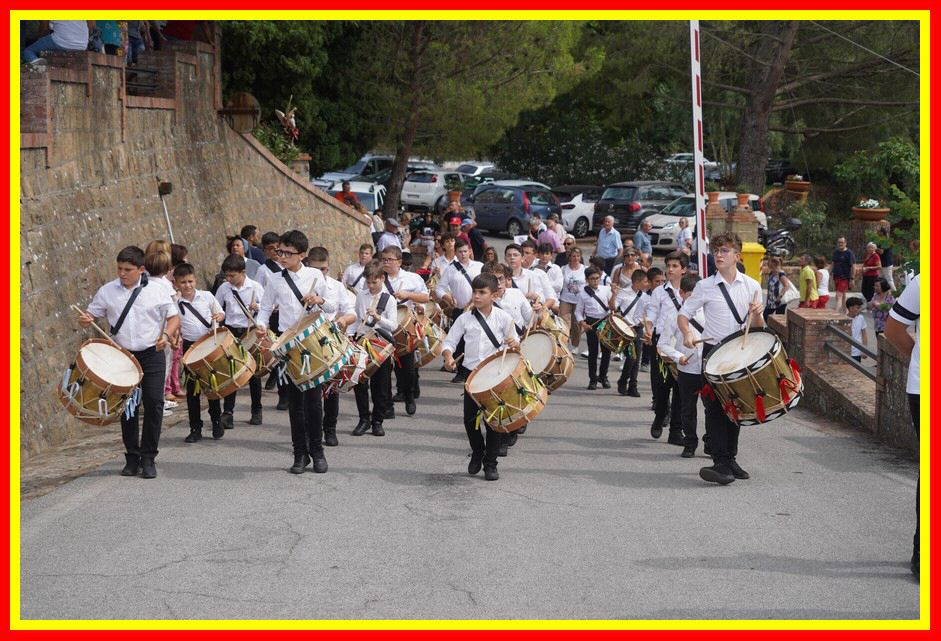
x,y
616,333
312,351
757,383
101,384
432,311
407,335
670,364
549,358
349,374
379,350
429,347
509,393
556,325
260,349
218,364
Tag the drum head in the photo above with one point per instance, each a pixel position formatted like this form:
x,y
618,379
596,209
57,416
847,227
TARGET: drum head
x,y
489,374
729,356
249,339
538,349
204,347
288,335
110,364
404,313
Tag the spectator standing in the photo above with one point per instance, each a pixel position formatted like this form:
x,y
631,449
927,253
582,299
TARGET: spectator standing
x,y
477,242
854,309
886,255
881,305
252,239
390,237
346,195
562,258
844,270
573,281
823,281
138,39
114,36
872,269
490,255
608,244
642,240
778,283
454,227
808,282
59,35
548,237
684,237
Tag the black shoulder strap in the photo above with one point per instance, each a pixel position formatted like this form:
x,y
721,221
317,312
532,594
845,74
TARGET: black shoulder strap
x,y
695,323
590,292
519,330
242,304
904,312
293,286
184,305
676,303
272,265
728,301
127,306
359,278
631,306
489,332
389,285
383,301
459,267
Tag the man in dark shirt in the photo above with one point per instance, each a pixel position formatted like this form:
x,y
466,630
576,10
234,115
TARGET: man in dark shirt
x,y
884,243
477,242
252,238
844,266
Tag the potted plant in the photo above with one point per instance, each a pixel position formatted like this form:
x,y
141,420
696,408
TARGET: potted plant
x,y
796,183
712,191
742,193
455,188
870,209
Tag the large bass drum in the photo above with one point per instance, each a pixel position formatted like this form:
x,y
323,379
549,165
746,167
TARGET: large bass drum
x,y
549,358
509,393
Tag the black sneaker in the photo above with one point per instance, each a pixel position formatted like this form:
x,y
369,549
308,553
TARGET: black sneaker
x,y
131,465
410,407
390,413
633,392
689,451
676,438
622,389
361,428
377,430
737,470
592,385
227,421
282,404
320,463
511,438
148,469
504,449
460,377
255,419
475,462
195,435
491,474
656,429
605,383
330,438
717,474
217,430
300,462
398,398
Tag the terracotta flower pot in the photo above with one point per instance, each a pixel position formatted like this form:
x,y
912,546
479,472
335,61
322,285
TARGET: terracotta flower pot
x,y
742,199
713,196
870,214
454,196
797,186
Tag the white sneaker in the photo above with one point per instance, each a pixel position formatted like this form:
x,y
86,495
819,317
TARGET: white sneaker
x,y
584,354
169,405
617,357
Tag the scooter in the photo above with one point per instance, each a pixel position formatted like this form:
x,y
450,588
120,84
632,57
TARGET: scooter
x,y
780,242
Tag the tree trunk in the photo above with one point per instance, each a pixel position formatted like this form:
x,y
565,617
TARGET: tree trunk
x,y
404,149
756,118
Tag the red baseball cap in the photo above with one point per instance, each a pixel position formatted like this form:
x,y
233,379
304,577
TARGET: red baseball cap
x,y
455,221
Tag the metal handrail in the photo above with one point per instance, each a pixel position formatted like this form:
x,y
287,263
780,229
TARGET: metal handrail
x,y
831,347
849,339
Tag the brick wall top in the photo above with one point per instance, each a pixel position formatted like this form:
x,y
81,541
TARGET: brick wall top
x,y
802,316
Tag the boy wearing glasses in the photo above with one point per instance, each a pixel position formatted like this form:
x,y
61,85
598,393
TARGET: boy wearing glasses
x,y
297,290
726,299
410,289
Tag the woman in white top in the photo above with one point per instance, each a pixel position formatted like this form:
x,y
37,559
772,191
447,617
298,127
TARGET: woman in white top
x,y
573,281
684,237
823,282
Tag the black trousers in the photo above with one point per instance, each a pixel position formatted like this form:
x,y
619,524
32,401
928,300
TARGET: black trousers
x,y
631,363
144,444
594,372
609,265
869,287
406,375
379,387
666,392
254,385
720,430
689,386
915,409
459,348
192,401
305,412
331,411
489,448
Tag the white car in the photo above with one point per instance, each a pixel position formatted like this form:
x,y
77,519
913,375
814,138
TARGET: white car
x,y
366,166
578,207
429,189
475,168
370,195
666,224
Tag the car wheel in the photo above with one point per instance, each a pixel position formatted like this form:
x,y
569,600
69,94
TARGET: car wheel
x,y
441,205
580,228
514,228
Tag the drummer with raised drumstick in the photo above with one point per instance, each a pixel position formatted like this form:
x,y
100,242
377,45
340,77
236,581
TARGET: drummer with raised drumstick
x,y
142,319
727,299
594,301
484,330
298,289
629,303
454,288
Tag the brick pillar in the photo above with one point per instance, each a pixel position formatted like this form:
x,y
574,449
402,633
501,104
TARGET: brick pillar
x,y
742,221
715,219
806,332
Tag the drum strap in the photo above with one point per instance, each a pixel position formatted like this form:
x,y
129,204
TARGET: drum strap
x,y
358,278
631,306
591,292
519,330
293,286
383,301
487,330
459,267
198,316
728,301
273,266
127,306
241,303
389,285
676,303
695,323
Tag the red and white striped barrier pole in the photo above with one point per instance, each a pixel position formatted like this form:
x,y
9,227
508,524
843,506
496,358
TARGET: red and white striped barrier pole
x,y
702,243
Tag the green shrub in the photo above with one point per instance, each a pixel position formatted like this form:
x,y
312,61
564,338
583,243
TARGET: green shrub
x,y
273,137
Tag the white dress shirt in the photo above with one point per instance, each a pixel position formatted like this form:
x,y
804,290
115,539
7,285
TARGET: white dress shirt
x,y
406,282
572,283
389,315
144,321
527,282
290,310
353,277
635,300
588,307
907,310
719,319
661,311
191,328
554,272
477,346
440,263
453,281
672,345
517,305
544,284
250,292
388,239
268,270
337,293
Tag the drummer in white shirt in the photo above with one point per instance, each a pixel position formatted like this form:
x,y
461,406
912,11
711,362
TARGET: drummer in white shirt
x,y
689,366
722,318
546,263
629,303
469,327
510,300
454,289
305,409
544,285
594,302
353,275
270,268
344,316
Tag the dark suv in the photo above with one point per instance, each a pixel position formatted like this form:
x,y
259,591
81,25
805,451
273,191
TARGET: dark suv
x,y
629,202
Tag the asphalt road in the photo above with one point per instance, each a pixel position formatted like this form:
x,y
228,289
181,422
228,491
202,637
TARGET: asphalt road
x,y
591,519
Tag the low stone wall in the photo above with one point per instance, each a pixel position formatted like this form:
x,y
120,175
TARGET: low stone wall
x,y
91,157
893,418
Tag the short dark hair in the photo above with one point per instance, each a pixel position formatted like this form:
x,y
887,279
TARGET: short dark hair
x,y
592,271
545,248
373,270
178,254
884,285
688,282
233,263
365,246
270,238
528,243
230,242
184,269
132,255
653,272
447,236
495,267
854,301
485,281
512,246
597,262
460,242
318,254
820,262
296,239
248,231
638,275
726,239
677,256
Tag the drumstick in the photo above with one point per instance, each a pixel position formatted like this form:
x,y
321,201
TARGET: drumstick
x,y
95,325
248,314
748,322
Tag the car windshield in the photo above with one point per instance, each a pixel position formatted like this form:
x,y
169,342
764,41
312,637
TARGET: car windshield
x,y
421,177
685,206
619,193
466,169
357,168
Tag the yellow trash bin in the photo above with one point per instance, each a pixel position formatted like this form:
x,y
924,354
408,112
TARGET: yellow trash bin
x,y
752,255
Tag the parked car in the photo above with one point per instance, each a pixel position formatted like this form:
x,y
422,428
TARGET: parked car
x,y
778,169
508,208
578,206
370,195
429,189
475,168
665,225
628,202
384,177
366,166
682,167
